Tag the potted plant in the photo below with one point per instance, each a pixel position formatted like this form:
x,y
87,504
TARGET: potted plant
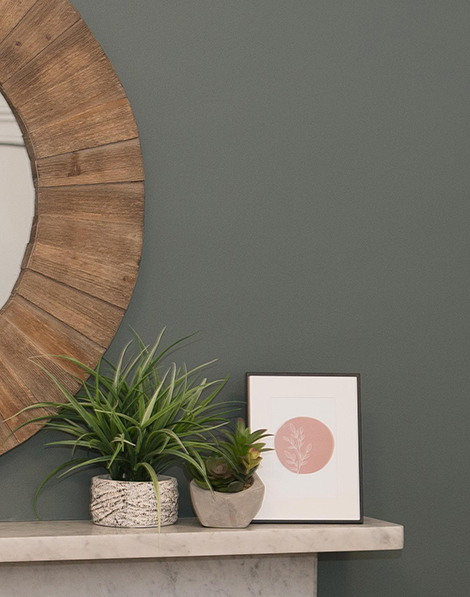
x,y
136,421
228,493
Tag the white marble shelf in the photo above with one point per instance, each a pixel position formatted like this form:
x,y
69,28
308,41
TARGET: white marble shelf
x,y
81,540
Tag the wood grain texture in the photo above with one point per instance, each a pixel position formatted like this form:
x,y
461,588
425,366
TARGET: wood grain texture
x,y
70,53
107,123
39,28
16,348
51,336
14,395
113,242
96,319
88,88
95,275
17,351
81,264
109,163
123,202
12,11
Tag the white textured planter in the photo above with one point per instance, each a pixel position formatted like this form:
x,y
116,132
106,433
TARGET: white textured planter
x,y
227,510
132,503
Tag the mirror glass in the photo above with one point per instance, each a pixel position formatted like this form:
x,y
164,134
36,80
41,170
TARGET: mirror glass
x,y
17,200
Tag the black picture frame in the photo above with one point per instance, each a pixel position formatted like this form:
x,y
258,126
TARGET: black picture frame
x,y
313,520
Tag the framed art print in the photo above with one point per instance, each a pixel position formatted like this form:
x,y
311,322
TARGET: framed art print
x,y
313,472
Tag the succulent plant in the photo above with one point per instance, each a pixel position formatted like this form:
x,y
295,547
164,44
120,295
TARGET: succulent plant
x,y
234,461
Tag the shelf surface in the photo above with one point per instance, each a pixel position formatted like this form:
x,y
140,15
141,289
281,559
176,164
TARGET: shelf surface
x,y
81,540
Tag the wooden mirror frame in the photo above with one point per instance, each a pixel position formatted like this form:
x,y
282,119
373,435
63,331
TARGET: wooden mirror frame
x,y
80,266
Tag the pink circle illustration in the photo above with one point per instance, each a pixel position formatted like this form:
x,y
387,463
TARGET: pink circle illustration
x,y
304,445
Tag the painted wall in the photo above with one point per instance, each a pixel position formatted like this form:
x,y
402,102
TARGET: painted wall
x,y
308,210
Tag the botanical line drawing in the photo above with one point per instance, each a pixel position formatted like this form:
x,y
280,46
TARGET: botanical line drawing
x,y
304,445
296,456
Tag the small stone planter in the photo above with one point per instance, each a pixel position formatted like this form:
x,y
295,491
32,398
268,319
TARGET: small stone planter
x,y
227,510
132,503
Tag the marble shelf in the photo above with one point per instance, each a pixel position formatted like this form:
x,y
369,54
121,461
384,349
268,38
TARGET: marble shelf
x,y
81,540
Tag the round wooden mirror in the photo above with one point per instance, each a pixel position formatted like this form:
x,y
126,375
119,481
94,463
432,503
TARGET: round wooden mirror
x,y
81,263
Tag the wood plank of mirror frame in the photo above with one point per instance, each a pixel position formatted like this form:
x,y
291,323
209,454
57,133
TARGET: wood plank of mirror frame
x,y
80,266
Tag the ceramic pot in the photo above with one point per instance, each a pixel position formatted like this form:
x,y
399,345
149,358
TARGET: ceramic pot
x,y
132,503
227,510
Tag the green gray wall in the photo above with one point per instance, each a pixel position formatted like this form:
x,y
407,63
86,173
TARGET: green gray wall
x,y
307,210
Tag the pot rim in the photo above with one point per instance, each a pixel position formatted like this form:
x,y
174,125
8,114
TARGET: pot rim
x,y
256,483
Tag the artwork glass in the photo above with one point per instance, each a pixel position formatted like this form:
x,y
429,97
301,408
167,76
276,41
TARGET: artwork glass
x,y
313,470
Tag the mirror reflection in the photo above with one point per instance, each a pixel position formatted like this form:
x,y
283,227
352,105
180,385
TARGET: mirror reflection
x,y
17,200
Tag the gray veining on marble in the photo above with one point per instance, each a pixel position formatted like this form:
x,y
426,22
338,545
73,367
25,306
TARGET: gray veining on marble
x,y
242,576
81,540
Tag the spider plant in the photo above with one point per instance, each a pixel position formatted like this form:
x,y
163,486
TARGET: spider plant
x,y
135,418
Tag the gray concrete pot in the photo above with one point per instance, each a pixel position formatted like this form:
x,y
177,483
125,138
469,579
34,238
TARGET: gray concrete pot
x,y
132,503
227,510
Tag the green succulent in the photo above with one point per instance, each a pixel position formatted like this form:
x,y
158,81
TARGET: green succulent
x,y
234,461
